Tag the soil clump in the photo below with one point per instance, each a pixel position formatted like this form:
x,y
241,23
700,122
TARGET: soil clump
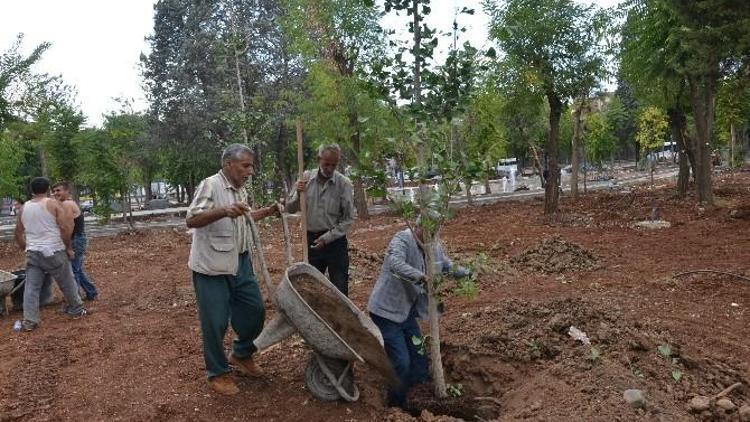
x,y
555,255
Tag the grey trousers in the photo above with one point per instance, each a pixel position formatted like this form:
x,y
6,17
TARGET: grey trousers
x,y
38,267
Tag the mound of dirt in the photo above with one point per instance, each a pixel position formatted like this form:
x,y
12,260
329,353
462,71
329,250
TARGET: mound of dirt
x,y
555,255
520,353
741,213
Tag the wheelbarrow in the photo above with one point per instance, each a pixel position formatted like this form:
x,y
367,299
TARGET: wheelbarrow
x,y
7,288
13,283
305,301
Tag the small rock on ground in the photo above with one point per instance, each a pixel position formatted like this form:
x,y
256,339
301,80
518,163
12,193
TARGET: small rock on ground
x,y
726,404
699,404
745,413
634,398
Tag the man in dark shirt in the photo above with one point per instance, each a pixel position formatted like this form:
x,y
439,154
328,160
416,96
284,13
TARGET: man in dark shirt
x,y
61,191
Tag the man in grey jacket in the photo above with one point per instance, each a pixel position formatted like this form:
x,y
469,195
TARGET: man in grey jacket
x,y
397,299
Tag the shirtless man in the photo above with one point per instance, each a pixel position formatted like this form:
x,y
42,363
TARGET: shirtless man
x,y
61,191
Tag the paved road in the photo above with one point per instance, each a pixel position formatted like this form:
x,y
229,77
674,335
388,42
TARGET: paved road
x,y
174,217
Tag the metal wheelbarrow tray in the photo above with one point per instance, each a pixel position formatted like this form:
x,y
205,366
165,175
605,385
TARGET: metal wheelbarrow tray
x,y
337,331
330,323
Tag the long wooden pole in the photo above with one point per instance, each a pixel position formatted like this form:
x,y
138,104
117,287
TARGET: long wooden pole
x,y
302,204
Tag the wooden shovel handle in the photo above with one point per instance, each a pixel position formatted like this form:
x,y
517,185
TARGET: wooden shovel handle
x,y
302,204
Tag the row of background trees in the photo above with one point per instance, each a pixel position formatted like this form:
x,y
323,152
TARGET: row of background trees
x,y
220,72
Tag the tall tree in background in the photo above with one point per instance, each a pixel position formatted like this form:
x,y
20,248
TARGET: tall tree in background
x,y
733,116
558,42
340,40
203,56
18,84
714,40
650,62
20,91
410,66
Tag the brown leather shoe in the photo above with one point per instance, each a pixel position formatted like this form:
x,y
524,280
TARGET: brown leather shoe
x,y
223,384
246,366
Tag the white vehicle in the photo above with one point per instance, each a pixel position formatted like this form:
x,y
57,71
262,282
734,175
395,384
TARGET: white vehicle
x,y
667,152
507,167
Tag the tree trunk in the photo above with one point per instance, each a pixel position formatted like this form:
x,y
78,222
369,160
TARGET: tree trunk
x,y
552,190
282,171
148,192
677,127
433,316
131,221
574,150
537,163
733,132
467,186
487,188
702,91
360,196
44,162
190,189
417,75
690,152
585,169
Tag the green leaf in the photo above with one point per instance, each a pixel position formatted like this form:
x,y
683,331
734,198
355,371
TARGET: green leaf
x,y
595,353
665,350
455,390
677,375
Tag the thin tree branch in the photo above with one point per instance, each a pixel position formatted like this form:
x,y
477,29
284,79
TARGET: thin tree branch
x,y
711,271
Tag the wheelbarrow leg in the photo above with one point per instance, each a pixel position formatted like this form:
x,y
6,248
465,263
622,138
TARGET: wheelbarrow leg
x,y
328,379
276,330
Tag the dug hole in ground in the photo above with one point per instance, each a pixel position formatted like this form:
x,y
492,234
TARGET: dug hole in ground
x,y
138,355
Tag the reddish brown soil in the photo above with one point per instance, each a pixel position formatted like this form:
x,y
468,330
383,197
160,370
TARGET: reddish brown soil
x,y
138,355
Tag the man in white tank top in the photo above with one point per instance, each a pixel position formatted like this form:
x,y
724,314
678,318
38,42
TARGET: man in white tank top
x,y
44,232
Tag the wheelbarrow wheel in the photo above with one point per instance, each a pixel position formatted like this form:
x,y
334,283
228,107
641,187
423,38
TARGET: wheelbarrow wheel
x,y
321,384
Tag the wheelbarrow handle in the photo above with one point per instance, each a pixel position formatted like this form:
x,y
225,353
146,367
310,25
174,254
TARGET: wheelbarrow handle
x,y
17,287
261,258
287,235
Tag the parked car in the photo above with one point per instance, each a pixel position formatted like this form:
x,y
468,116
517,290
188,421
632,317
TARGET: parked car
x,y
667,152
507,167
87,206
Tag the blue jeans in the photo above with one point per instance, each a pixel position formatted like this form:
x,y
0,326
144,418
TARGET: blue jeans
x,y
410,366
79,247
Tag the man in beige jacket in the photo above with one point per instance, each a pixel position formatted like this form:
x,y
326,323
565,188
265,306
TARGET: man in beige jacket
x,y
225,285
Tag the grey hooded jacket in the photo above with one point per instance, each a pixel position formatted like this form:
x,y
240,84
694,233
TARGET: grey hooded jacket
x,y
399,285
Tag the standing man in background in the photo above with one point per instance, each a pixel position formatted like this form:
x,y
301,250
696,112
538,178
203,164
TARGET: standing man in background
x,y
330,213
226,289
61,192
44,231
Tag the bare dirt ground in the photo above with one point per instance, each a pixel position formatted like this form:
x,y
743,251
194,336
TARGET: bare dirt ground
x,y
138,355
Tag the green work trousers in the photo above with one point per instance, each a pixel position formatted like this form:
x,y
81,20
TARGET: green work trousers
x,y
223,299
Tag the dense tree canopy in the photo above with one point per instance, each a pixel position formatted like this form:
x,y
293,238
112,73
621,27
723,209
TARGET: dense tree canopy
x,y
245,71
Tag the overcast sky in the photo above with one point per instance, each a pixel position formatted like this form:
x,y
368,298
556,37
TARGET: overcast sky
x,y
96,44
